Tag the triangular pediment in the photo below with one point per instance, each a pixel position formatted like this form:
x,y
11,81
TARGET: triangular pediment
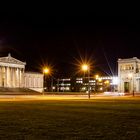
x,y
11,60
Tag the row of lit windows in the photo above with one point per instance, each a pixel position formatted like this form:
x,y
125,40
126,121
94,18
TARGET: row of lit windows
x,y
64,79
65,88
63,84
105,78
79,81
127,67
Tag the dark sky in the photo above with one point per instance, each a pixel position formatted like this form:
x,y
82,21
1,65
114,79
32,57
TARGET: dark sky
x,y
59,40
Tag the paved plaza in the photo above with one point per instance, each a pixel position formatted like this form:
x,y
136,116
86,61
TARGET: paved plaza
x,y
60,97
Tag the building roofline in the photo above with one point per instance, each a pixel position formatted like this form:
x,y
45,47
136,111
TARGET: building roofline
x,y
32,72
9,56
133,59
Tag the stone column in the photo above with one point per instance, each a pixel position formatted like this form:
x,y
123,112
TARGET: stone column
x,y
12,72
10,82
22,78
9,77
0,76
5,81
26,81
3,75
14,77
38,82
16,83
18,77
139,85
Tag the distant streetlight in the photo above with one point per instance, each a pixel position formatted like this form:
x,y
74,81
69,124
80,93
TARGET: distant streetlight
x,y
85,68
107,82
96,76
46,71
99,79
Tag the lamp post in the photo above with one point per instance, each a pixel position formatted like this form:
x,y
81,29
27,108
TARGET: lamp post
x,y
86,68
52,84
58,85
46,71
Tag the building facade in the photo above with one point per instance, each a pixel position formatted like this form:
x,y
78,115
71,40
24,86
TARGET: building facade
x,y
81,84
100,84
13,75
11,72
129,75
34,81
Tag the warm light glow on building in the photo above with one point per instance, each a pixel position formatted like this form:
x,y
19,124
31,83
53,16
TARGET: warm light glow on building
x,y
101,88
100,80
130,75
97,76
107,82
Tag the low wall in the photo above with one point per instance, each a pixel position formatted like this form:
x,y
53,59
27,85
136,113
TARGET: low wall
x,y
37,89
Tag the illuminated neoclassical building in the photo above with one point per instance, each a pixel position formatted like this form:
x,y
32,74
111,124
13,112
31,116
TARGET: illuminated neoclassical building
x,y
13,75
129,75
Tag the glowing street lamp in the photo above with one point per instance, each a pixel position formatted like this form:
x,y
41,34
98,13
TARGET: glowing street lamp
x,y
85,68
46,71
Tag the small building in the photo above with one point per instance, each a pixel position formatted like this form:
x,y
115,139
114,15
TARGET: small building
x,y
63,85
81,84
34,81
100,84
129,75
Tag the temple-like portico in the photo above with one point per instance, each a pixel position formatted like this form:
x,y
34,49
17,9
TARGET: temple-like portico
x,y
11,72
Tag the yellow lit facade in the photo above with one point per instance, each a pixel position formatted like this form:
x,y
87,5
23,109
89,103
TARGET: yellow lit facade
x,y
129,75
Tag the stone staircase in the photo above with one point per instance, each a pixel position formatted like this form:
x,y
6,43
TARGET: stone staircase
x,y
18,91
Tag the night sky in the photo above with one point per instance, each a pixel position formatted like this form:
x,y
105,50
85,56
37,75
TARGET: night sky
x,y
61,40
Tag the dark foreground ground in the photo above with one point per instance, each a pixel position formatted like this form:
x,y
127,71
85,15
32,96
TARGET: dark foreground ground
x,y
109,118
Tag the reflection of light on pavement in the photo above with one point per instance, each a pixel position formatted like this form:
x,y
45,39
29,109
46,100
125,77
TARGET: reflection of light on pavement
x,y
59,97
114,94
